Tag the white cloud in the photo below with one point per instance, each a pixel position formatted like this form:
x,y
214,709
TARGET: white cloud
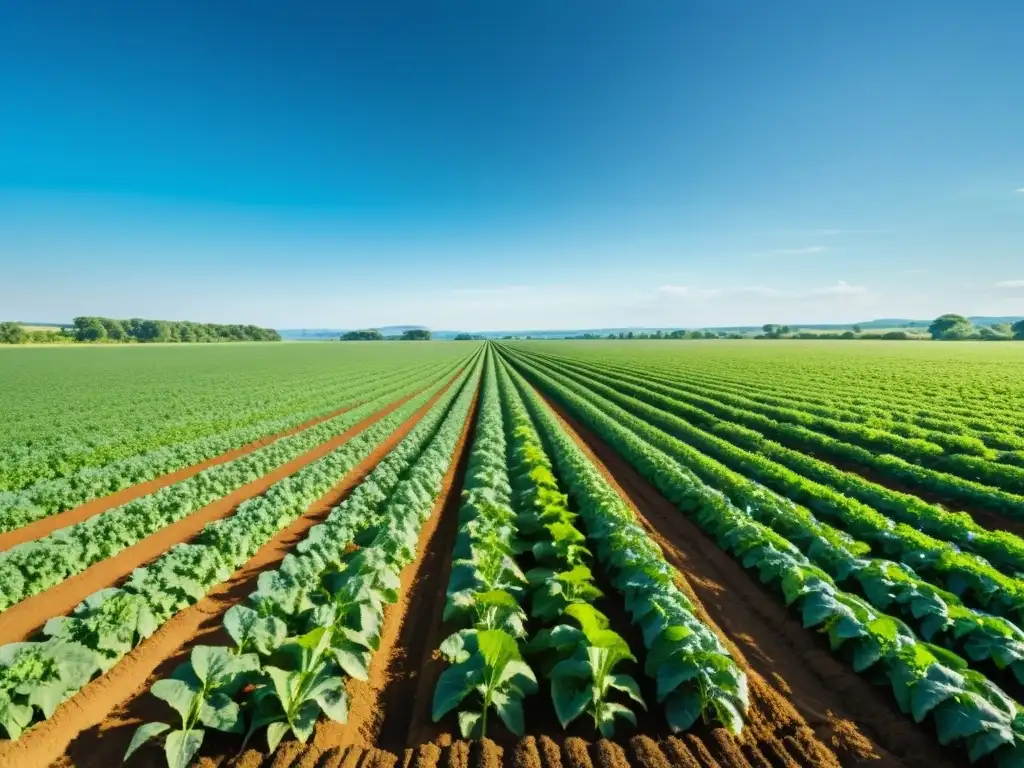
x,y
1010,285
808,251
840,289
1021,190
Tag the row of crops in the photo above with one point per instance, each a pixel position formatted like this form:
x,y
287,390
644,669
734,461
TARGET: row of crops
x,y
469,481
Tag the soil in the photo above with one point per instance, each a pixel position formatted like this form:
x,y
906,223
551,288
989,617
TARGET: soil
x,y
47,525
382,709
93,727
23,620
819,689
993,521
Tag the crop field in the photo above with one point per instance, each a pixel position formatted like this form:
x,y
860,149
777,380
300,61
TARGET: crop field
x,y
745,554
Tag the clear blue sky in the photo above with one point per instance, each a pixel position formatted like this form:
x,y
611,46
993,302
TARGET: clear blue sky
x,y
511,164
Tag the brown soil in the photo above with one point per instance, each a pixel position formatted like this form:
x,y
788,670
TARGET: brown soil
x,y
24,619
47,525
93,728
381,708
993,521
773,643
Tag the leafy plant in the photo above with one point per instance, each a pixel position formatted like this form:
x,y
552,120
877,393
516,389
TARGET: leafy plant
x,y
39,676
294,698
201,692
583,676
487,666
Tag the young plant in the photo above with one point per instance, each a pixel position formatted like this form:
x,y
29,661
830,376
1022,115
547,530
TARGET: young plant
x,y
553,591
201,691
292,699
486,663
110,622
40,676
582,664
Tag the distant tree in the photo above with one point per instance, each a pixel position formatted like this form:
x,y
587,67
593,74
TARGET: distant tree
x,y
784,330
370,334
896,336
769,328
848,334
629,335
1018,330
950,328
986,333
710,335
464,337
115,330
11,333
612,336
856,329
89,329
416,334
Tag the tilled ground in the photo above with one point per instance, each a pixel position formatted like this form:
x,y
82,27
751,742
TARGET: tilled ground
x,y
807,708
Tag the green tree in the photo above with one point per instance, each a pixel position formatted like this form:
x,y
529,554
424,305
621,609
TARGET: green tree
x,y
416,334
464,337
1018,330
856,329
11,333
950,327
89,329
115,330
370,334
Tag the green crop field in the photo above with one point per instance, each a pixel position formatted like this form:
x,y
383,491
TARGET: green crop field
x,y
556,554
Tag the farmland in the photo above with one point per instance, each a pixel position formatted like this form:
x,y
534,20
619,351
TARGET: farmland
x,y
532,554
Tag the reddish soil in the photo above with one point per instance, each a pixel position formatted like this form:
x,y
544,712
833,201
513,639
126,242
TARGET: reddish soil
x,y
819,690
23,620
993,521
47,525
93,728
381,710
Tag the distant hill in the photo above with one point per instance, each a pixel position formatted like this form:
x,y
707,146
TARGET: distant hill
x,y
888,323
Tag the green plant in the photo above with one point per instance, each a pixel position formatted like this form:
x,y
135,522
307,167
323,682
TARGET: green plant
x,y
583,678
486,663
201,691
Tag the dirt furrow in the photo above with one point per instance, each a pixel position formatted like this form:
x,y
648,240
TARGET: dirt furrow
x,y
47,525
799,691
23,620
94,727
381,710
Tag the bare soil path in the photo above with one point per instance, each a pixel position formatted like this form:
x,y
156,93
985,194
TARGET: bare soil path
x,y
51,523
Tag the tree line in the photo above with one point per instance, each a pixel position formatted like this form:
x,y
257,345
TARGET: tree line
x,y
100,330
372,334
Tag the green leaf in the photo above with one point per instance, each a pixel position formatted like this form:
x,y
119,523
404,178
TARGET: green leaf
x,y
682,709
13,717
497,648
275,732
607,714
468,722
453,686
570,695
220,712
330,694
178,694
510,710
144,733
926,694
628,685
181,746
354,660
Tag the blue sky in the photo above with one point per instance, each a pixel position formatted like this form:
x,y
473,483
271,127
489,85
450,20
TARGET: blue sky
x,y
494,165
